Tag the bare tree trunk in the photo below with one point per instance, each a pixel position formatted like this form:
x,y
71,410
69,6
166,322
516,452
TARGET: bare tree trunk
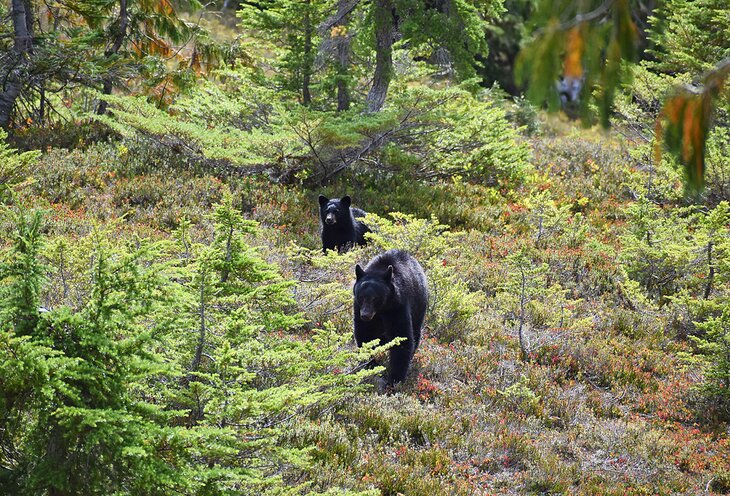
x,y
201,330
343,57
56,450
384,31
523,297
8,96
22,16
229,254
343,95
108,84
307,70
29,21
711,275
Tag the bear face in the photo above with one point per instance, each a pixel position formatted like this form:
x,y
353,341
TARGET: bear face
x,y
334,211
341,227
372,291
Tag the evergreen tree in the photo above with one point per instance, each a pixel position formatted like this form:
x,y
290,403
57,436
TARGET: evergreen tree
x,y
291,26
453,31
714,359
338,47
16,61
95,45
247,376
689,37
77,424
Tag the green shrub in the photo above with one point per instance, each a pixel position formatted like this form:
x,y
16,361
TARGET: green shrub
x,y
14,167
436,133
713,360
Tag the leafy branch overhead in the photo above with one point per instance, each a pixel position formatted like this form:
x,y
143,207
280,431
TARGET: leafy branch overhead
x,y
584,44
686,118
587,46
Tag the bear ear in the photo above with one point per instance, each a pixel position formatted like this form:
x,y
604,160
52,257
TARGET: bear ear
x,y
389,273
358,271
323,200
346,201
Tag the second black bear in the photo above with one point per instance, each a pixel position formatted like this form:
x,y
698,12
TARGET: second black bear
x,y
340,228
391,296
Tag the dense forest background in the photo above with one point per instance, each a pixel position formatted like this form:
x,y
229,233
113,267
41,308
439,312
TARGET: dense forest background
x,y
170,325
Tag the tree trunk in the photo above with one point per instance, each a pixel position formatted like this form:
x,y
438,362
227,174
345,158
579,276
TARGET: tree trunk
x,y
8,96
711,275
201,330
56,451
384,31
22,17
108,84
520,332
307,69
343,57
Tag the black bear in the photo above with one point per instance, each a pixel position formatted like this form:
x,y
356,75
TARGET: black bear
x,y
391,296
340,228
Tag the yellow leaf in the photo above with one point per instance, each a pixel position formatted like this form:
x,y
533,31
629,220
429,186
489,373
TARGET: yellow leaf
x,y
573,62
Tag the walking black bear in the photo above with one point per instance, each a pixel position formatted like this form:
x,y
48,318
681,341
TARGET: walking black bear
x,y
340,228
391,296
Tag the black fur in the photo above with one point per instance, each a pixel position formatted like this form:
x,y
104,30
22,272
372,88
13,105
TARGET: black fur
x,y
391,296
342,230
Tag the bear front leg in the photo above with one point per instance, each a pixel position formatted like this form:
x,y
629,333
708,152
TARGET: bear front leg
x,y
364,333
400,356
400,359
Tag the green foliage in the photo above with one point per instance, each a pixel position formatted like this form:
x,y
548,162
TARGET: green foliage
x,y
14,167
689,37
681,250
473,139
703,312
79,423
520,396
714,358
459,27
436,132
525,285
125,398
292,27
657,253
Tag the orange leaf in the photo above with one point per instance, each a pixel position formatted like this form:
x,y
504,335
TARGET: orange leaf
x,y
688,123
573,62
164,7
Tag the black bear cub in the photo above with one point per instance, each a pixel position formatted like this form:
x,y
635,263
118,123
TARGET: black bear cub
x,y
391,296
340,228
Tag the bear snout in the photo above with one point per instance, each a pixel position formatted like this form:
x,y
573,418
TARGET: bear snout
x,y
330,219
366,314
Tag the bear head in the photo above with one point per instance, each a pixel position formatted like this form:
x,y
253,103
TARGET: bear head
x,y
334,210
373,291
